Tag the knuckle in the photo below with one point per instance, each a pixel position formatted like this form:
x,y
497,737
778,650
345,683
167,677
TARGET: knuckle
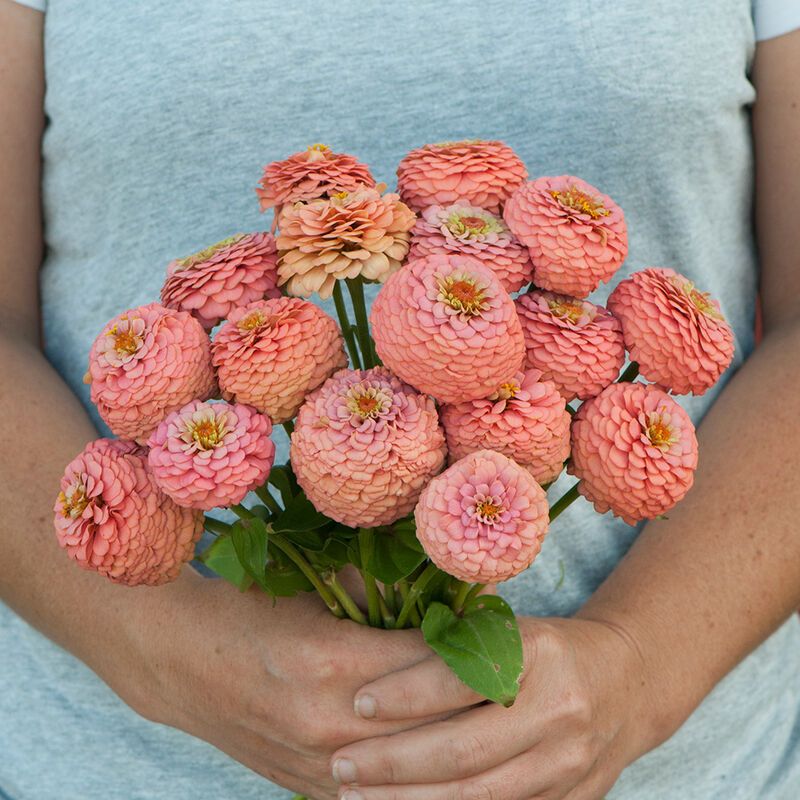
x,y
318,736
576,707
577,759
467,753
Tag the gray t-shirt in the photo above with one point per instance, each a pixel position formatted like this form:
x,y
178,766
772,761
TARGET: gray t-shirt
x,y
160,116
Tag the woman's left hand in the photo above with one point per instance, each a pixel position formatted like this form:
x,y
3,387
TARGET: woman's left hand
x,y
582,715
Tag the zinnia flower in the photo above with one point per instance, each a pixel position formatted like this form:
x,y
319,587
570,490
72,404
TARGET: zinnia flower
x,y
576,344
483,519
634,450
675,332
211,454
272,353
146,363
229,274
447,326
364,446
111,517
472,231
525,419
351,234
314,173
480,173
577,236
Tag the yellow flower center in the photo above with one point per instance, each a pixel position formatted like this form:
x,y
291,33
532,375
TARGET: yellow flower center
x,y
255,319
74,503
318,147
700,300
456,143
462,293
487,510
473,225
507,391
566,308
207,432
203,255
573,198
367,403
659,433
126,342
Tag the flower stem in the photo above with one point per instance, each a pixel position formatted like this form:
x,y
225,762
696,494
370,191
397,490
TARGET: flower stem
x,y
476,589
356,288
366,544
289,428
566,500
388,617
461,596
265,495
344,324
413,615
241,511
348,604
216,526
414,593
390,593
630,374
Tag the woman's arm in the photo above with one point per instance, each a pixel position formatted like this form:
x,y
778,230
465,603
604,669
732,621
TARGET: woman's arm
x,y
694,596
196,654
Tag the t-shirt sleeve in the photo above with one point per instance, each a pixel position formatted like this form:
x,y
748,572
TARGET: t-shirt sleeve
x,y
39,5
775,17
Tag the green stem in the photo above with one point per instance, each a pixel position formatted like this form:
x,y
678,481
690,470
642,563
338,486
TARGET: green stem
x,y
356,288
461,596
413,616
241,511
217,526
388,617
566,500
344,324
366,544
476,589
289,428
414,593
348,604
297,557
265,496
390,593
630,374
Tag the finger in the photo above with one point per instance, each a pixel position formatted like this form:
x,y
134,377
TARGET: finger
x,y
464,745
426,688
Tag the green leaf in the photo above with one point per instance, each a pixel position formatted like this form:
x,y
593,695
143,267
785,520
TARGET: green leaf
x,y
483,647
299,515
396,552
283,481
334,555
221,558
283,577
249,538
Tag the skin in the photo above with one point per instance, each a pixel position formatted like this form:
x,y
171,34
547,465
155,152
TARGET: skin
x,y
599,690
693,597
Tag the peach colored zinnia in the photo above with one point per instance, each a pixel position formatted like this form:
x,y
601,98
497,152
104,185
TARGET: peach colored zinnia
x,y
351,234
272,353
111,517
482,173
313,173
635,451
446,325
576,344
576,235
525,419
472,231
211,454
483,519
224,276
365,445
147,362
675,332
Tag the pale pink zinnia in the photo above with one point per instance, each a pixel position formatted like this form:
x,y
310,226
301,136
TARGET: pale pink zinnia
x,y
472,231
483,519
675,332
351,234
111,517
577,345
525,419
313,173
482,173
272,353
446,325
365,445
147,362
224,276
576,235
635,451
211,454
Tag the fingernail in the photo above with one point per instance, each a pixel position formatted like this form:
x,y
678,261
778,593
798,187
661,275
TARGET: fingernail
x,y
344,771
365,706
351,794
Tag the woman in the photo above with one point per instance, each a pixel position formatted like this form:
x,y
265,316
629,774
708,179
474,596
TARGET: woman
x,y
669,672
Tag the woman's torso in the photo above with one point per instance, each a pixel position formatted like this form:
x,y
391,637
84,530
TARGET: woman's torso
x,y
161,116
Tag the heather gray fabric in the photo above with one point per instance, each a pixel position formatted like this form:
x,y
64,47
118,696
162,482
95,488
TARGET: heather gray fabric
x,y
160,118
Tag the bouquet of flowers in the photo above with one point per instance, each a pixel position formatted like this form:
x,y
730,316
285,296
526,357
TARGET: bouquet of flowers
x,y
424,434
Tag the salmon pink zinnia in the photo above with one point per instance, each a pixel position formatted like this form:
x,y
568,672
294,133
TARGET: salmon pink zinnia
x,y
635,451
577,236
111,517
483,519
446,325
675,332
365,445
211,454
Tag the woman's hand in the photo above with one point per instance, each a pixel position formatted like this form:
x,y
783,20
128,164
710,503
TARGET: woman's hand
x,y
579,720
271,685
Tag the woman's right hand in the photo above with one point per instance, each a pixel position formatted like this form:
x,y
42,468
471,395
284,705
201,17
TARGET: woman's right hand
x,y
270,685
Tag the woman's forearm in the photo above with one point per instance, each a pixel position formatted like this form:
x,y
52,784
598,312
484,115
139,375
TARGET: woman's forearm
x,y
699,590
